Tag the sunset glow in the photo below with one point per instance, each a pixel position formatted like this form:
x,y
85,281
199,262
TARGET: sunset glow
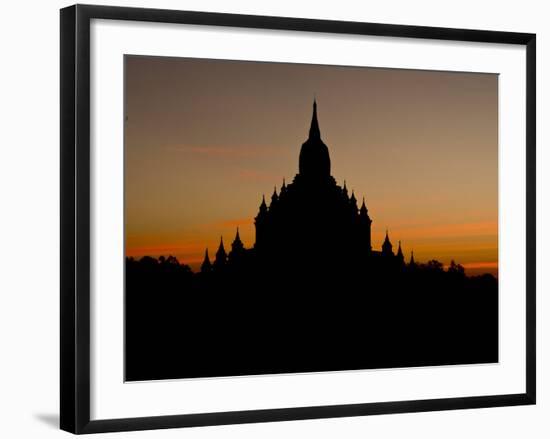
x,y
205,139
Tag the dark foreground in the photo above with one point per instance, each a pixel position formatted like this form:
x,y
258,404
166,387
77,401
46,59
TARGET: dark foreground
x,y
181,325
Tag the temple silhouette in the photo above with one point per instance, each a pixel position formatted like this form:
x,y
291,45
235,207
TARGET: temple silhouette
x,y
311,295
312,218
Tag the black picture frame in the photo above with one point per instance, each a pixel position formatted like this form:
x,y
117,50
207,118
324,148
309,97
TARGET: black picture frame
x,y
75,217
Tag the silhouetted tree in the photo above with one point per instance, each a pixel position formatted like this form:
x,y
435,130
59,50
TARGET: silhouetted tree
x,y
434,265
456,269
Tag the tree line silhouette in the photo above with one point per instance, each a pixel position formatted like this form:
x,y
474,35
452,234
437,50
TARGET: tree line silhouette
x,y
219,323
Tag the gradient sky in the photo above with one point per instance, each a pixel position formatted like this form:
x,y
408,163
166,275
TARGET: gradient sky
x,y
204,139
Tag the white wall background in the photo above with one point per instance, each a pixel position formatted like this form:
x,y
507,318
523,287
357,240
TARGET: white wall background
x,y
29,206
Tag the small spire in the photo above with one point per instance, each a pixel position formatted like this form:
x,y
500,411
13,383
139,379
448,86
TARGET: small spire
x,y
400,257
353,199
387,238
206,265
263,209
274,197
386,246
221,255
237,245
411,262
363,209
283,187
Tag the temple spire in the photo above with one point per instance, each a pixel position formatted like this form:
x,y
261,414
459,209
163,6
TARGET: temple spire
x,y
237,247
314,162
274,197
353,202
262,212
314,132
363,210
400,257
221,248
263,205
206,264
221,255
386,246
345,191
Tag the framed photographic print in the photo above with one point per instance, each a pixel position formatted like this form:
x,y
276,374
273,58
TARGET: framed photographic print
x,y
267,219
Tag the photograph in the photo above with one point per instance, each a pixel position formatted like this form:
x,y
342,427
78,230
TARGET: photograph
x,y
284,218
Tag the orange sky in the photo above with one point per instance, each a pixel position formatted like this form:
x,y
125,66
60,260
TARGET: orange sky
x,y
204,139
